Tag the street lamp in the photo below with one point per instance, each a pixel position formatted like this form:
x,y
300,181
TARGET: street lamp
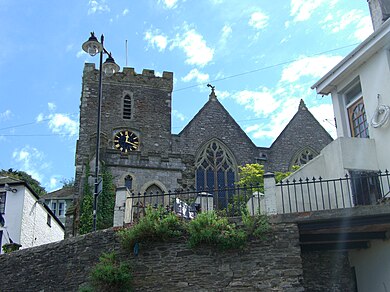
x,y
92,46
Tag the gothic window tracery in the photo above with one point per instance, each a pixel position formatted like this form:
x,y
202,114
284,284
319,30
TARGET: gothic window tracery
x,y
303,156
215,167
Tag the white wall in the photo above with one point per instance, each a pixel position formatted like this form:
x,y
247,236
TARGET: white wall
x,y
13,214
333,162
374,78
372,266
34,228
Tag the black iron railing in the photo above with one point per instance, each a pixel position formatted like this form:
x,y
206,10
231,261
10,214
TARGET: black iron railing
x,y
229,201
289,196
355,188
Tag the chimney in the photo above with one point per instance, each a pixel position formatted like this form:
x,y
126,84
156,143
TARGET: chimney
x,y
380,12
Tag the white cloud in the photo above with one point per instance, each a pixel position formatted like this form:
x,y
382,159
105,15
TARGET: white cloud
x,y
169,4
40,118
125,12
222,94
51,106
5,115
309,66
325,116
225,34
363,28
336,23
302,9
97,6
80,53
197,75
62,124
258,20
29,159
260,102
195,48
178,115
155,39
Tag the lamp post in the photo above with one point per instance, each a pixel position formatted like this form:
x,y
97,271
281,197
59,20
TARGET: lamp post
x,y
92,46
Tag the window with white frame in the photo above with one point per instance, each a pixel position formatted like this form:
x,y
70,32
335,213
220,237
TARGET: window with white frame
x,y
58,207
357,119
2,202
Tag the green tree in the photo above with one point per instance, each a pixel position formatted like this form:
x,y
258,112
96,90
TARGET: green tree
x,y
251,175
68,183
24,176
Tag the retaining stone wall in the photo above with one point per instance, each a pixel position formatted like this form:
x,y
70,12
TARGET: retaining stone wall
x,y
270,265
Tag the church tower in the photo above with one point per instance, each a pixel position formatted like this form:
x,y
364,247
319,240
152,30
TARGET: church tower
x,y
135,131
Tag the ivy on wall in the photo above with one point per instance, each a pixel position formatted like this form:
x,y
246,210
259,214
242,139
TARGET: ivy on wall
x,y
106,203
86,206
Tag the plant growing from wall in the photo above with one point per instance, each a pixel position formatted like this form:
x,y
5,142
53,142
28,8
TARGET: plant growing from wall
x,y
110,274
106,201
211,229
206,229
158,224
256,226
86,205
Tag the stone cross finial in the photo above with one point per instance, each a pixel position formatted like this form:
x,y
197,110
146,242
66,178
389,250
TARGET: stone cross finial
x,y
212,95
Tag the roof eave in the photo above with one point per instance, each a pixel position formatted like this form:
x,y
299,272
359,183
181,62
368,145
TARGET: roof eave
x,y
376,41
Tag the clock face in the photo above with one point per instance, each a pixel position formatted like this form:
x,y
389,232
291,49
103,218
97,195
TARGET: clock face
x,y
126,141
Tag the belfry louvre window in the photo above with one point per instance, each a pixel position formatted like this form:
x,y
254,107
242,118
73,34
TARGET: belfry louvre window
x,y
214,167
358,120
2,202
127,107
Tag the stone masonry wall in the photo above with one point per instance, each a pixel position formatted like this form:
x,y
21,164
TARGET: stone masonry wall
x,y
270,265
327,271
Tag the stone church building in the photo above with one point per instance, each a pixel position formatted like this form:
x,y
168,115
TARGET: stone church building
x,y
139,149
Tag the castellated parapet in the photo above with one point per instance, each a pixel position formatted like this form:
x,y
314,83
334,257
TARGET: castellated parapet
x,y
128,74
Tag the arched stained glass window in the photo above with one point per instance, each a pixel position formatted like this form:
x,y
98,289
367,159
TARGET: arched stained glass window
x,y
215,167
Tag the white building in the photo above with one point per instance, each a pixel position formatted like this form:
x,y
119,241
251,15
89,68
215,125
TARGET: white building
x,y
360,89
26,220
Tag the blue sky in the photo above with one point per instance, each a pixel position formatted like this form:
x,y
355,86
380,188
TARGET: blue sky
x,y
262,56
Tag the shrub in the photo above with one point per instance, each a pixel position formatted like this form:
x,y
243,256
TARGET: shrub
x,y
109,274
256,226
209,228
158,224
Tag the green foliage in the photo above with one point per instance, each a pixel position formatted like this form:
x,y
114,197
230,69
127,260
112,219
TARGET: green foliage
x,y
68,183
209,228
86,206
279,176
158,224
10,247
256,226
24,176
106,201
109,274
252,175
